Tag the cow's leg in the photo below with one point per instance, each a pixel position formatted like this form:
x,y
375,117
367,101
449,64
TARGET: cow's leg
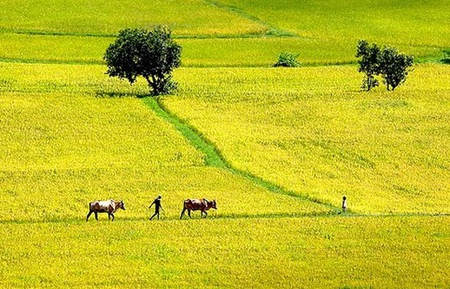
x,y
182,213
204,212
96,215
88,215
189,213
112,215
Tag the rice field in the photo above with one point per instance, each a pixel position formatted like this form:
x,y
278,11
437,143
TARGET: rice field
x,y
392,252
277,148
311,131
224,33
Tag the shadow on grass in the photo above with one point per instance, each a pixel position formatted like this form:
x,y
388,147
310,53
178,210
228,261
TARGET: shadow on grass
x,y
117,94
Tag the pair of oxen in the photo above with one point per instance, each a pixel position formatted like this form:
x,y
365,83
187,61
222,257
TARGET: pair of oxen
x,y
111,206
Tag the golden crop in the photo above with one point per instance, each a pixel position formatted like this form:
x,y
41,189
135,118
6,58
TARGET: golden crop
x,y
277,148
310,130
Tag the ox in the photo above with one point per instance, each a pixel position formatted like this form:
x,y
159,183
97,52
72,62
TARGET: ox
x,y
109,207
198,204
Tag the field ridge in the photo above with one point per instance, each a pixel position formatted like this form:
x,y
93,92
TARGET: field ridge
x,y
213,156
271,29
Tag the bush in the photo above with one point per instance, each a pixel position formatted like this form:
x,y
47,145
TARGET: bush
x,y
446,60
287,59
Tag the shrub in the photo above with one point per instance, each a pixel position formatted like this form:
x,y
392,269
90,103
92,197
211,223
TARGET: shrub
x,y
446,60
287,59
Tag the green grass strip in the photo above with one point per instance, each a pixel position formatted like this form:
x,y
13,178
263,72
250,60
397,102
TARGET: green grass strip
x,y
213,156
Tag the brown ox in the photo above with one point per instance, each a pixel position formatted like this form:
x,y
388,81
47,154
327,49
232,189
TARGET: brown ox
x,y
109,207
198,204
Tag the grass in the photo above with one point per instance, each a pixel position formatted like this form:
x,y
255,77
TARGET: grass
x,y
66,140
220,253
224,33
72,135
106,18
400,23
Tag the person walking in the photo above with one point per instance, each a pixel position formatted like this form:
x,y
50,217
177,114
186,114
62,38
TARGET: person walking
x,y
344,204
158,206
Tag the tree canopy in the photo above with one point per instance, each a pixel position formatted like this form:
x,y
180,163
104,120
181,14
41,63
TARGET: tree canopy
x,y
386,61
150,54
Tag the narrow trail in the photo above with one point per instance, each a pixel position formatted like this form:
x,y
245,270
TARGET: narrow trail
x,y
214,158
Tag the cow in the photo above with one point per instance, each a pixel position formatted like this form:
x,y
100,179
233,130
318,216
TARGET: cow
x,y
109,207
198,204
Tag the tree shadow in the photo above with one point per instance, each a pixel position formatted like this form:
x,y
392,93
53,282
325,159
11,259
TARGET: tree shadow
x,y
118,94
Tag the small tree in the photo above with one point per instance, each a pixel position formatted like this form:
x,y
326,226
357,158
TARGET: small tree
x,y
287,59
369,63
387,62
394,67
150,54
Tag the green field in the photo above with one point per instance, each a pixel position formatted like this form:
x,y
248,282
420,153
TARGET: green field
x,y
277,148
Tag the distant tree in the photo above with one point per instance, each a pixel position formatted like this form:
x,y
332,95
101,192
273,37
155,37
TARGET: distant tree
x,y
393,66
369,63
287,59
150,54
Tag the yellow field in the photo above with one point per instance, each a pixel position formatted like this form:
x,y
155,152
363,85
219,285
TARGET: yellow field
x,y
277,148
71,135
311,131
66,141
335,252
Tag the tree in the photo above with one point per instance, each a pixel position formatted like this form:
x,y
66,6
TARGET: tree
x,y
150,54
287,59
369,63
386,61
394,67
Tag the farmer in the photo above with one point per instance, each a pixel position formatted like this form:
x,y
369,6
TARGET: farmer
x,y
344,204
157,203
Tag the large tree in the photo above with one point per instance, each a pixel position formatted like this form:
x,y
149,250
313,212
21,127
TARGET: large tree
x,y
150,54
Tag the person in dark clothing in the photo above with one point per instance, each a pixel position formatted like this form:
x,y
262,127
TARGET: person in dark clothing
x,y
158,206
344,204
